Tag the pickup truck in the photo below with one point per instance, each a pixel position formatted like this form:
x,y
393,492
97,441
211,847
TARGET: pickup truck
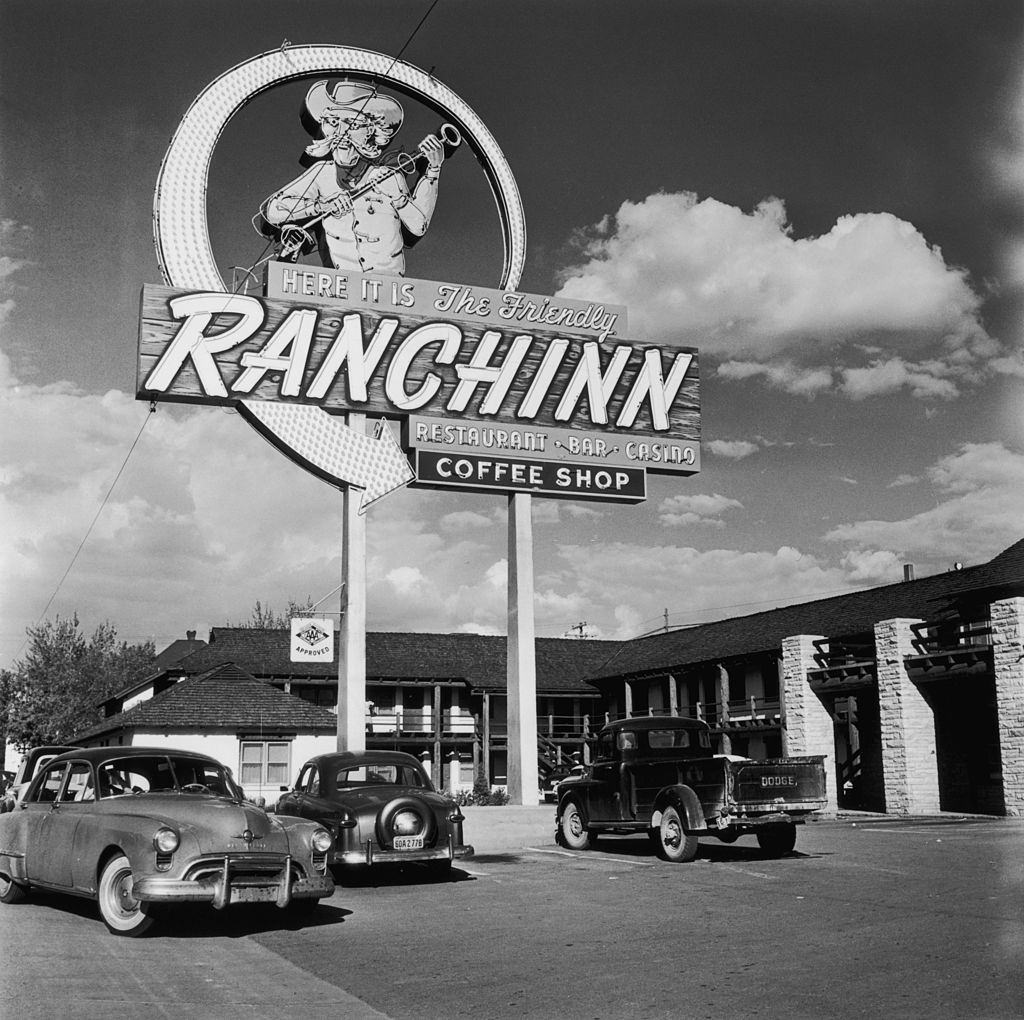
x,y
658,774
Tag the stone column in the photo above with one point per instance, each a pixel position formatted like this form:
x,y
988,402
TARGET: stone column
x,y
1008,664
909,763
808,727
723,707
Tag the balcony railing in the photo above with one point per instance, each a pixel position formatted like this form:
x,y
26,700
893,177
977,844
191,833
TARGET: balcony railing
x,y
754,710
951,635
949,645
420,722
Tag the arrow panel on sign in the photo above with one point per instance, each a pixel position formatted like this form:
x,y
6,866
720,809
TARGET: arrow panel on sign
x,y
330,449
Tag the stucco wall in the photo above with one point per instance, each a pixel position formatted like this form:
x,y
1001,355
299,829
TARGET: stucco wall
x,y
226,748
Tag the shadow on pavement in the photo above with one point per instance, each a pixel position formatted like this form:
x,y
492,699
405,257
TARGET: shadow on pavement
x,y
201,920
242,920
357,876
710,850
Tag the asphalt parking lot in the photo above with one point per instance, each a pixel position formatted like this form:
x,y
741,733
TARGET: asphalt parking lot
x,y
869,917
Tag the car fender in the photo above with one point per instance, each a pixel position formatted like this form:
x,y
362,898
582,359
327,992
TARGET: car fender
x,y
686,802
577,791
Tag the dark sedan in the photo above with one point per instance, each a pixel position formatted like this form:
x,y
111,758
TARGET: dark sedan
x,y
134,827
380,807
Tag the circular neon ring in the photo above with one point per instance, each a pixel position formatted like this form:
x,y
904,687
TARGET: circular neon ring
x,y
179,207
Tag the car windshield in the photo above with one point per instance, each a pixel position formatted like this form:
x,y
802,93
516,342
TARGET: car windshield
x,y
163,773
379,774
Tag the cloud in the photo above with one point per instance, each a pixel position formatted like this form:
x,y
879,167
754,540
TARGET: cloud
x,y
1006,162
464,520
732,449
678,511
15,241
980,494
868,308
693,585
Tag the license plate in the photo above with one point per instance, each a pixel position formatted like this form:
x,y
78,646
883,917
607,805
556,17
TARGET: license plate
x,y
408,843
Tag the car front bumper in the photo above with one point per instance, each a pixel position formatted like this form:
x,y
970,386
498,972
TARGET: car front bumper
x,y
229,883
371,853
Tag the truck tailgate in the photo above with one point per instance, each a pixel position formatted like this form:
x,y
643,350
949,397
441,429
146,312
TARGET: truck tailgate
x,y
779,784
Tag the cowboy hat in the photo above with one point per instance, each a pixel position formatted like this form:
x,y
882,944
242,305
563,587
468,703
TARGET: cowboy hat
x,y
355,96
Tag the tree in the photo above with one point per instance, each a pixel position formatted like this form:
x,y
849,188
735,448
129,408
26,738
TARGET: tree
x,y
53,693
264,618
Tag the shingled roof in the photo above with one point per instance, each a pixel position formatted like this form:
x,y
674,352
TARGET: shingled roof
x,y
478,660
223,698
928,598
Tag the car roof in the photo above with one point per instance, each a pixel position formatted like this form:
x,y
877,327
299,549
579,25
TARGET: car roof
x,y
353,759
655,722
95,755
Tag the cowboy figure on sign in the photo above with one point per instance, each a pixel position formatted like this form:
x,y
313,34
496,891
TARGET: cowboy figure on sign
x,y
353,203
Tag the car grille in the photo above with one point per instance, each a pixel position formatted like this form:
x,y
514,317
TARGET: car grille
x,y
243,869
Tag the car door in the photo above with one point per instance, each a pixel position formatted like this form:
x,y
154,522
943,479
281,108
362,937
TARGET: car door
x,y
42,812
294,802
60,826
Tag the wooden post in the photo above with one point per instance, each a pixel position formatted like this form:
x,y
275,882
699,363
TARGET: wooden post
x,y
352,643
485,764
438,769
523,770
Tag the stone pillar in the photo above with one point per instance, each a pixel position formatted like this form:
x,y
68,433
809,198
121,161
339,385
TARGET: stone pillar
x,y
1008,664
909,763
723,707
807,727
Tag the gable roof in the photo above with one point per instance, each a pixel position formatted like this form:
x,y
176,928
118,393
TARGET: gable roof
x,y
929,598
478,660
224,697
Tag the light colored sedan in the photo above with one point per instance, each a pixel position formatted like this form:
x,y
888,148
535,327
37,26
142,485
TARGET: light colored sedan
x,y
134,827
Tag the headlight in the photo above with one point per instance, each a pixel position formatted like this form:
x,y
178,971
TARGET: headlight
x,y
321,841
166,841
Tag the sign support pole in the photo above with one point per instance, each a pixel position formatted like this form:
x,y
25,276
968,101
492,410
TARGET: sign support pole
x,y
352,643
523,774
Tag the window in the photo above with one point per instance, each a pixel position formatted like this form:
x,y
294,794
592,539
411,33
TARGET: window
x,y
265,762
309,781
49,784
79,786
668,738
378,774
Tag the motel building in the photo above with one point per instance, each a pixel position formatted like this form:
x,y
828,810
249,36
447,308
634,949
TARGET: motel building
x,y
914,692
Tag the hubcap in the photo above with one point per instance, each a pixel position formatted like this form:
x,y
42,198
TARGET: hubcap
x,y
123,897
672,834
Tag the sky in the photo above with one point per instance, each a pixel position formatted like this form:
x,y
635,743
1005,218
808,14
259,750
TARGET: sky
x,y
826,200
